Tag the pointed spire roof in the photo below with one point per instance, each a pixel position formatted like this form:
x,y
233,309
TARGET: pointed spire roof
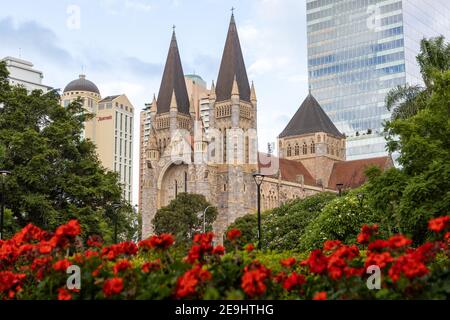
x,y
173,82
232,66
310,118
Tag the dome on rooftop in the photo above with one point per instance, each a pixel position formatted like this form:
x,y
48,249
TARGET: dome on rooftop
x,y
82,84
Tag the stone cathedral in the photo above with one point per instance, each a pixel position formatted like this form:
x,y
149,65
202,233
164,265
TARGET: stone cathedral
x,y
180,157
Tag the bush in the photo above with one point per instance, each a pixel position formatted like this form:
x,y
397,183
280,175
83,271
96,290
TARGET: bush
x,y
282,227
340,219
33,265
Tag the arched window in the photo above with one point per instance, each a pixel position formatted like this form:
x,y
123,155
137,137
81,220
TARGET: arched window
x,y
185,181
289,150
297,149
224,145
313,147
305,148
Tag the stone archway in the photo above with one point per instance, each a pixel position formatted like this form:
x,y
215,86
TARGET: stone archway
x,y
172,181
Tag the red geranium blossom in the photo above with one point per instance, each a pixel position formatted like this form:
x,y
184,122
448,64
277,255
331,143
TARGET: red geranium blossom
x,y
366,233
162,241
253,280
320,296
379,259
288,262
399,241
439,224
113,286
188,282
233,234
62,265
219,250
249,247
294,281
151,266
317,261
64,294
330,245
122,265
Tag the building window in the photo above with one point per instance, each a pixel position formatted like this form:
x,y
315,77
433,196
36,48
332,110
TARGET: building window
x,y
297,149
289,150
131,150
117,117
176,188
313,147
185,181
115,145
225,146
121,119
305,148
126,123
247,151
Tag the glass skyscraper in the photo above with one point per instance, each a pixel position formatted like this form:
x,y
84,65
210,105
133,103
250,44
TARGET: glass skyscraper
x,y
360,49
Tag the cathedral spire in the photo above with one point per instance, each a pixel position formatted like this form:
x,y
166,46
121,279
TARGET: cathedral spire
x,y
253,93
231,67
173,82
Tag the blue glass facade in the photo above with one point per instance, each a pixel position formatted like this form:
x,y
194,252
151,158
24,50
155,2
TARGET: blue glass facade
x,y
360,49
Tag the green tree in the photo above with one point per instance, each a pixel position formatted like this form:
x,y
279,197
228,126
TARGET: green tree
x,y
55,173
405,101
420,189
183,217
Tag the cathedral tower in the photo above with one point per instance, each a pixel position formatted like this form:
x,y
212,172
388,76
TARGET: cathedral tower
x,y
312,139
233,135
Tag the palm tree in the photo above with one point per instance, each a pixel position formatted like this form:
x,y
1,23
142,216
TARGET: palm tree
x,y
405,101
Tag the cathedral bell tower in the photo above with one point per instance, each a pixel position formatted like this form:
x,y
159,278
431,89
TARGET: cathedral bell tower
x,y
233,125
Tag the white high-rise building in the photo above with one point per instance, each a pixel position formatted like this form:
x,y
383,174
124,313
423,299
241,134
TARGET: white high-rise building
x,y
21,72
358,51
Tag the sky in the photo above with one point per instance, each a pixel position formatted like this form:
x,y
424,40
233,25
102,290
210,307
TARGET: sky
x,y
121,45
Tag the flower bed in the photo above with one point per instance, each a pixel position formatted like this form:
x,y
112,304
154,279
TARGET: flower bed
x,y
34,263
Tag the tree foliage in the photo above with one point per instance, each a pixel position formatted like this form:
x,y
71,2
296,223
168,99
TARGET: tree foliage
x,y
282,227
420,189
183,217
55,173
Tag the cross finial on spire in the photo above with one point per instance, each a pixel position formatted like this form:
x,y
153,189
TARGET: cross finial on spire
x,y
174,27
309,89
232,10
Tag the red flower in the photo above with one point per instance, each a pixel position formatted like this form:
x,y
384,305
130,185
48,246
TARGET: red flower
x,y
10,281
378,245
62,265
94,241
122,265
233,234
162,241
320,296
330,245
123,248
317,261
64,294
409,266
399,241
151,266
249,247
253,280
71,229
379,259
288,262
366,233
219,250
113,286
201,247
188,282
294,281
438,224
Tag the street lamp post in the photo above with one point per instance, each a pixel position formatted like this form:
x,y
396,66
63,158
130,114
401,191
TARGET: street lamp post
x,y
3,173
339,187
116,207
204,218
258,180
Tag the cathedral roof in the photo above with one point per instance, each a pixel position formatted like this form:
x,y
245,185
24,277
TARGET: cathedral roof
x,y
351,173
173,81
310,118
231,67
289,170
